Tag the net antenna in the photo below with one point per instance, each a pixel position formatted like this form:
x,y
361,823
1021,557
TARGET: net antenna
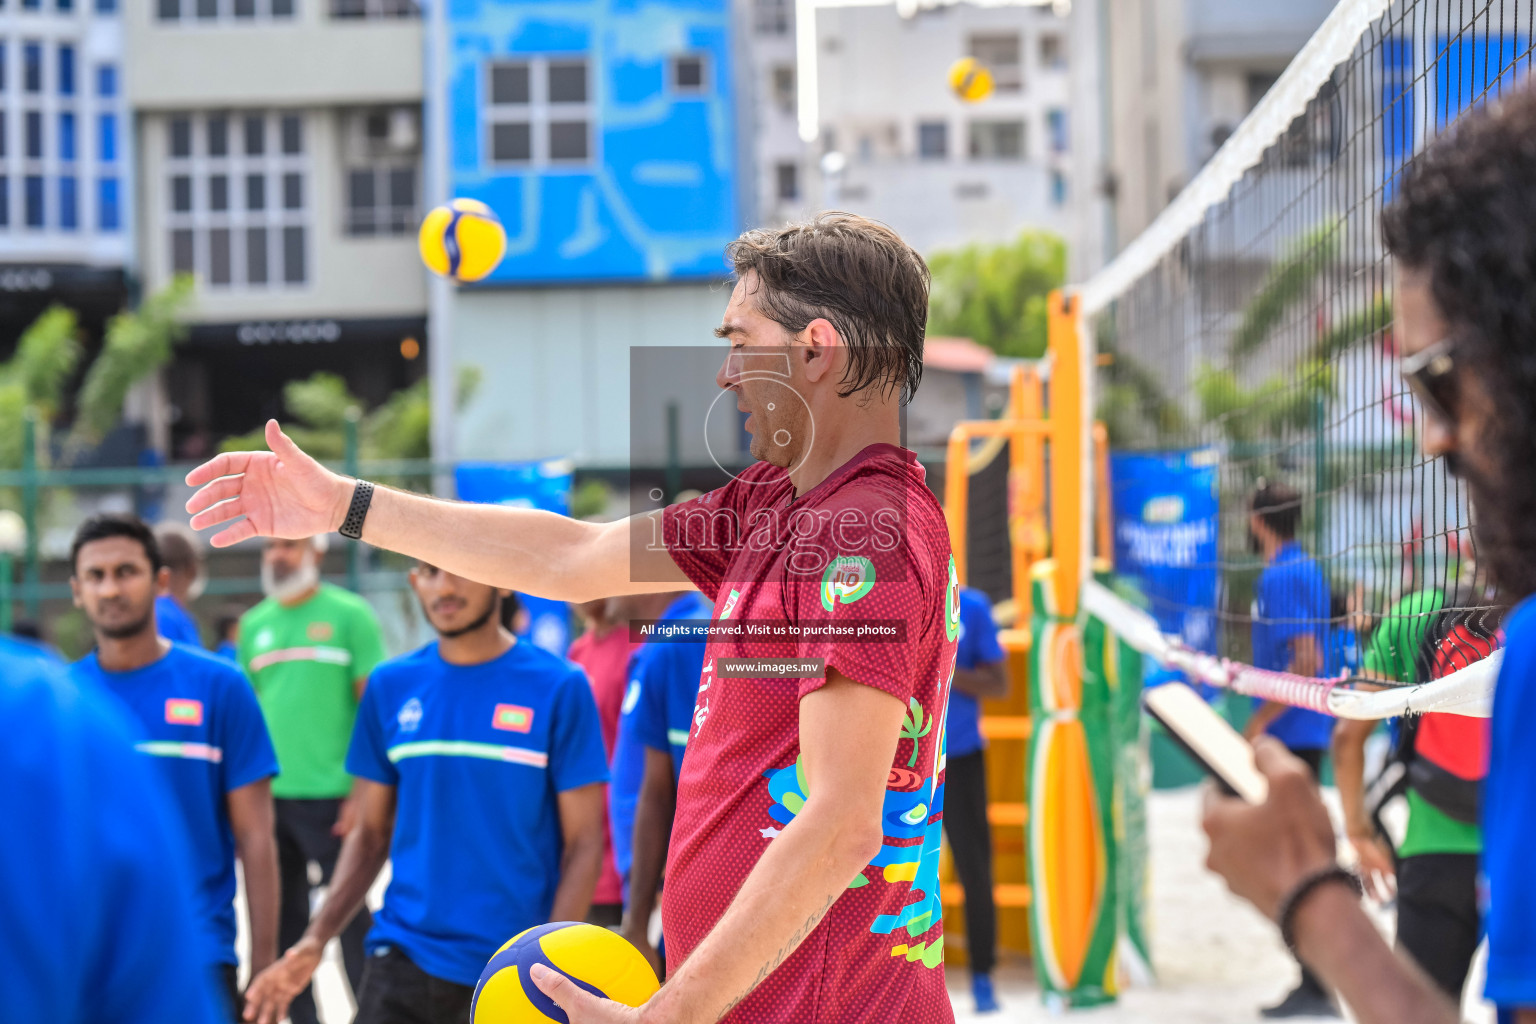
x,y
1247,332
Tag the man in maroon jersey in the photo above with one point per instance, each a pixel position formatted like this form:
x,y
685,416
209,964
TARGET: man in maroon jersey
x,y
802,881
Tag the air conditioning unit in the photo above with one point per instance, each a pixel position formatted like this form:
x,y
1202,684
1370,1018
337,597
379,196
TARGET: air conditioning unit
x,y
404,131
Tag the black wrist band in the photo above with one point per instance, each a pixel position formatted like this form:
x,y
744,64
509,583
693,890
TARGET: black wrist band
x,y
1291,904
352,526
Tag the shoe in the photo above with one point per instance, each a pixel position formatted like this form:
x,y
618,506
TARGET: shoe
x,y
1303,1001
981,989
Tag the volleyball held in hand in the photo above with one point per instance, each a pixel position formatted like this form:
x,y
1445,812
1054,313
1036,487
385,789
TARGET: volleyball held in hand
x,y
463,240
970,79
596,959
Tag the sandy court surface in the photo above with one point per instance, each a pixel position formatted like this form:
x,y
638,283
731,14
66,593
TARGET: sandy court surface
x,y
1216,958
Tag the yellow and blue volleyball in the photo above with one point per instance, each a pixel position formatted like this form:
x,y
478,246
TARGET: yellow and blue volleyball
x,y
596,959
463,240
970,79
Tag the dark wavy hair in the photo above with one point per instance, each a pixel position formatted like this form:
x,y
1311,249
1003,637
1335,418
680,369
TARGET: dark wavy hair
x,y
1465,215
858,275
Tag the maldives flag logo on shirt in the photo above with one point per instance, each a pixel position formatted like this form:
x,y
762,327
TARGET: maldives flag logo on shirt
x,y
513,718
183,712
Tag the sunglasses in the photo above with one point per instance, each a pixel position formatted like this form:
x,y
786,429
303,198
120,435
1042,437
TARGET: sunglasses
x,y
1430,374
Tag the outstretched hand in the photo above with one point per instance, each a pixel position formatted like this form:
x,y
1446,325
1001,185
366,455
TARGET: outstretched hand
x,y
1263,851
270,992
281,493
580,1006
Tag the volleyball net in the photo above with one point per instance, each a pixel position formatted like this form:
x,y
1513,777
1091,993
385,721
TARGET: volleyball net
x,y
1246,359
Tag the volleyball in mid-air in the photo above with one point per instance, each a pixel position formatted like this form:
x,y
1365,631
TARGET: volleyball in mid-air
x,y
463,240
970,79
596,959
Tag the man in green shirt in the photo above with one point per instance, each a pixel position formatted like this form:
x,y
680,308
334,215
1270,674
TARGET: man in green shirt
x,y
308,649
1435,872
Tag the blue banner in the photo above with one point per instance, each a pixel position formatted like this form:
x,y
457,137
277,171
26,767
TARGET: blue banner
x,y
545,485
1165,507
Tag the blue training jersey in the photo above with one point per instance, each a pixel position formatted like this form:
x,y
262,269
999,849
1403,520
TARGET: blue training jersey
x,y
977,646
669,675
663,678
174,623
1291,600
198,721
1509,822
96,919
478,755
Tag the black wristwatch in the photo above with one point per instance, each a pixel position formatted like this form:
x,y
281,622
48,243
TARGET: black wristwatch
x,y
352,526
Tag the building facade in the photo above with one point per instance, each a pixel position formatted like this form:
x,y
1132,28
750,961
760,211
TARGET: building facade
x,y
606,141
65,163
898,144
279,163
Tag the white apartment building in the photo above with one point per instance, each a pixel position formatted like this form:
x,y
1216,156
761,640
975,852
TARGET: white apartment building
x,y
279,162
65,162
897,144
783,166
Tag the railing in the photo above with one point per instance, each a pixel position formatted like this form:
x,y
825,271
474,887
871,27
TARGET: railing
x,y
375,9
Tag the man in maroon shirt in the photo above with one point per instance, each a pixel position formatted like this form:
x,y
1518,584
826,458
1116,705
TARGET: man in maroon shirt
x,y
802,876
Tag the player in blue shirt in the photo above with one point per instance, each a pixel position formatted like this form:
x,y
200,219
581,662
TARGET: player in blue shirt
x,y
1291,607
96,919
198,721
666,677
980,671
480,763
184,583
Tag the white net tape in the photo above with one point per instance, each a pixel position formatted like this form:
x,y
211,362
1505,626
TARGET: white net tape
x,y
1467,692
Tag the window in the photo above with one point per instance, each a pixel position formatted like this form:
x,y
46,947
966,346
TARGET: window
x,y
568,81
5,201
34,199
771,17
106,6
784,88
255,136
933,140
381,150
106,138
375,9
194,11
218,135
67,137
1058,188
3,76
1000,52
1053,55
69,206
5,124
32,67
1258,83
181,137
293,134
106,80
293,255
232,196
1056,126
108,217
31,5
688,75
787,179
66,70
540,112
34,135
66,5
997,140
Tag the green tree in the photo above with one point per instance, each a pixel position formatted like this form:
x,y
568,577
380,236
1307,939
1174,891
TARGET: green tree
x,y
399,428
995,294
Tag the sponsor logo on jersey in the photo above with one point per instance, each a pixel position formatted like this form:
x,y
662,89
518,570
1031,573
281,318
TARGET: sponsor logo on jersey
x,y
952,602
410,715
513,718
730,604
847,578
179,711
631,697
320,631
